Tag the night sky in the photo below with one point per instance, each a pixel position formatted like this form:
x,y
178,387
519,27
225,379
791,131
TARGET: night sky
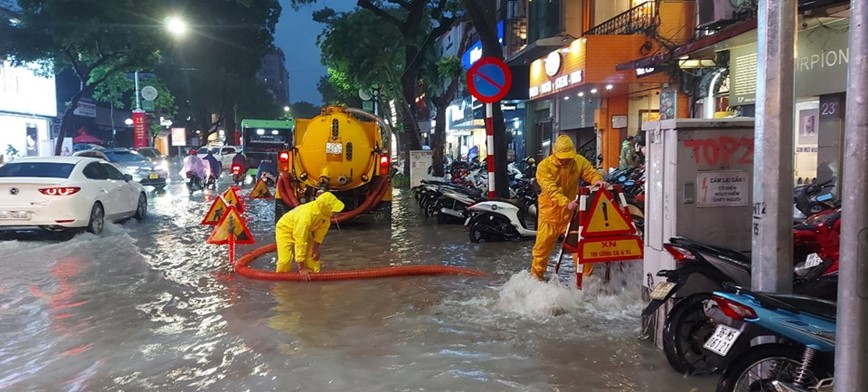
x,y
296,35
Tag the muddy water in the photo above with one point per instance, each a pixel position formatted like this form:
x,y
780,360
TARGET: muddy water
x,y
149,306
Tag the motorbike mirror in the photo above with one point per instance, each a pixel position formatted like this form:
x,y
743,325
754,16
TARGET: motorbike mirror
x,y
825,197
622,178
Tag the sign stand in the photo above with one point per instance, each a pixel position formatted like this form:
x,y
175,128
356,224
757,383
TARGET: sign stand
x,y
606,232
489,80
232,231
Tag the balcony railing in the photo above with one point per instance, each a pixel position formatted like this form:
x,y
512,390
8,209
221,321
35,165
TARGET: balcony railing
x,y
638,19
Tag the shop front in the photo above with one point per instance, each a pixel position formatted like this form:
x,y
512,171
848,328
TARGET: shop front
x,y
576,90
27,108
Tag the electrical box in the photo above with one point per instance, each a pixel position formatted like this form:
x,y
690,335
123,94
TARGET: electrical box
x,y
699,177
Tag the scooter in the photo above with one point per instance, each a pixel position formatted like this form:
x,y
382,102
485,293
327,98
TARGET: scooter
x,y
238,175
801,355
701,270
194,183
500,220
812,198
453,203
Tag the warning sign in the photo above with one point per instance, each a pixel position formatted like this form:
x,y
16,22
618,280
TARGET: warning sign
x,y
605,218
594,250
722,188
231,225
232,199
218,208
260,191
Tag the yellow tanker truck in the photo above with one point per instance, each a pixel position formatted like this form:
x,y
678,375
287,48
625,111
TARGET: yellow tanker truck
x,y
343,151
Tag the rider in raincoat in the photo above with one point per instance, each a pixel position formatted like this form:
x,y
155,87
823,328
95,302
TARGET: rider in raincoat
x,y
301,231
194,164
558,176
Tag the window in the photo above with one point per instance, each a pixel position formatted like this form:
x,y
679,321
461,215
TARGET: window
x,y
148,153
227,151
95,171
124,156
36,169
113,173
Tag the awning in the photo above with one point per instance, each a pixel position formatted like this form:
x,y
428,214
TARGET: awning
x,y
688,48
539,48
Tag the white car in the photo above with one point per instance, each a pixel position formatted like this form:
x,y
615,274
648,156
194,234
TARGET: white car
x,y
61,193
224,154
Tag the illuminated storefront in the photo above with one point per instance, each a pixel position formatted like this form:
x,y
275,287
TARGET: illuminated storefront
x,y
28,105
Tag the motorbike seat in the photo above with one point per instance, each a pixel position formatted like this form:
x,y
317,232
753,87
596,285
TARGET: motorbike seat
x,y
518,204
799,304
805,227
738,257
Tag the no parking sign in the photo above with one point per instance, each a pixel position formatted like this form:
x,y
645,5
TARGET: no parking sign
x,y
489,79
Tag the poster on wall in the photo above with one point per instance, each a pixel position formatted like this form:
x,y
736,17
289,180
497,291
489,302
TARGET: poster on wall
x,y
66,149
808,125
648,116
668,101
722,188
32,135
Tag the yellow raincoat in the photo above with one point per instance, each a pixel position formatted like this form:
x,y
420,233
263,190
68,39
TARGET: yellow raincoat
x,y
559,185
300,228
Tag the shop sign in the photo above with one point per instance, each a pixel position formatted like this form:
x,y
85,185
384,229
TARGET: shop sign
x,y
85,108
555,72
722,188
474,52
23,91
822,56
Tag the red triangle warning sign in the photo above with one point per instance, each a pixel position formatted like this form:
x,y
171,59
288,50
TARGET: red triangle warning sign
x,y
232,199
231,225
605,218
260,191
215,213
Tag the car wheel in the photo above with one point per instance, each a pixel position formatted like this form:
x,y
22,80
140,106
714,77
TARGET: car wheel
x,y
141,207
97,219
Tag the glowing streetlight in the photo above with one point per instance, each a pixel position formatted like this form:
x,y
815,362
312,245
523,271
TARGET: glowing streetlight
x,y
129,122
176,26
286,109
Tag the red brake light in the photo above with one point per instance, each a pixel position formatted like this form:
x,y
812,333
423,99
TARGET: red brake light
x,y
59,191
734,310
236,169
284,156
680,254
384,165
283,161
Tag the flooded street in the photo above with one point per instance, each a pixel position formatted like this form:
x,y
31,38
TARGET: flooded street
x,y
151,306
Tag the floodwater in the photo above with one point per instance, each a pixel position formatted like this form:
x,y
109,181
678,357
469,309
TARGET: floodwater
x,y
150,306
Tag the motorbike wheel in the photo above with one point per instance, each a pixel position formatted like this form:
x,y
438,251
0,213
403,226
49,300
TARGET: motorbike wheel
x,y
431,208
476,235
687,328
755,369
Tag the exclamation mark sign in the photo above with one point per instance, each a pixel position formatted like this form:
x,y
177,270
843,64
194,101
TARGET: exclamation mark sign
x,y
606,213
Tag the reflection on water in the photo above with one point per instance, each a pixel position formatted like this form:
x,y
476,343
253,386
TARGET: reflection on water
x,y
150,306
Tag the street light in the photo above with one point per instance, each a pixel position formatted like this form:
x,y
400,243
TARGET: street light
x,y
176,26
129,122
286,109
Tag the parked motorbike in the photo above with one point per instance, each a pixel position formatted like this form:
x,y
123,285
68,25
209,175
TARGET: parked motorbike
x,y
500,220
801,356
453,203
194,183
812,198
701,270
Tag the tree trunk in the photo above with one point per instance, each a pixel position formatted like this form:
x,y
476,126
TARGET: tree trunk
x,y
483,14
438,140
66,122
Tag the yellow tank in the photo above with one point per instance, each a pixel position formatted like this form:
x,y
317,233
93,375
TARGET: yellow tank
x,y
335,151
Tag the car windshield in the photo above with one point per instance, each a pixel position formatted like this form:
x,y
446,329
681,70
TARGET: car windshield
x,y
124,156
148,153
36,169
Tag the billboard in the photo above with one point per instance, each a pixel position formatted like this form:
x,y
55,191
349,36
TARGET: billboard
x,y
23,91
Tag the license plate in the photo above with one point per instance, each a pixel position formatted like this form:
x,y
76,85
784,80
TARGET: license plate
x,y
154,176
721,342
813,260
334,148
14,215
661,290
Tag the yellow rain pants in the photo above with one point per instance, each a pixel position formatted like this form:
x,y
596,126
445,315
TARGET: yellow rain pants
x,y
300,228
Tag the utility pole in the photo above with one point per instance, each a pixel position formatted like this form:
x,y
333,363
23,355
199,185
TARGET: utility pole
x,y
772,243
851,351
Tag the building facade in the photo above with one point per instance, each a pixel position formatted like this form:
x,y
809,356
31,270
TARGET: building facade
x,y
27,109
274,76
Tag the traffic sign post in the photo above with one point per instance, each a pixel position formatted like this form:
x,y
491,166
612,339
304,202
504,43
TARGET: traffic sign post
x,y
231,230
489,80
216,212
260,191
232,199
605,231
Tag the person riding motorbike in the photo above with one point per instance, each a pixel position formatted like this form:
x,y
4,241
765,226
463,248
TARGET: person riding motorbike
x,y
558,177
194,166
240,161
214,166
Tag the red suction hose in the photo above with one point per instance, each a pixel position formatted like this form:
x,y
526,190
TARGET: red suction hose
x,y
242,268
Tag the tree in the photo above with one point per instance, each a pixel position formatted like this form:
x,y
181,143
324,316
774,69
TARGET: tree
x,y
91,38
304,109
483,14
444,76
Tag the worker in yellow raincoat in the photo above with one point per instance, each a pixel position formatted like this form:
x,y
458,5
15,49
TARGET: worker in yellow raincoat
x,y
558,178
300,232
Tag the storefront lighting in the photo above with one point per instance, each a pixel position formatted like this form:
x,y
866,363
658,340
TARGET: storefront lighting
x,y
581,93
583,40
609,87
567,98
593,91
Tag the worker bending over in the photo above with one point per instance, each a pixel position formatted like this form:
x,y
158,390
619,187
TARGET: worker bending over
x,y
300,232
558,177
